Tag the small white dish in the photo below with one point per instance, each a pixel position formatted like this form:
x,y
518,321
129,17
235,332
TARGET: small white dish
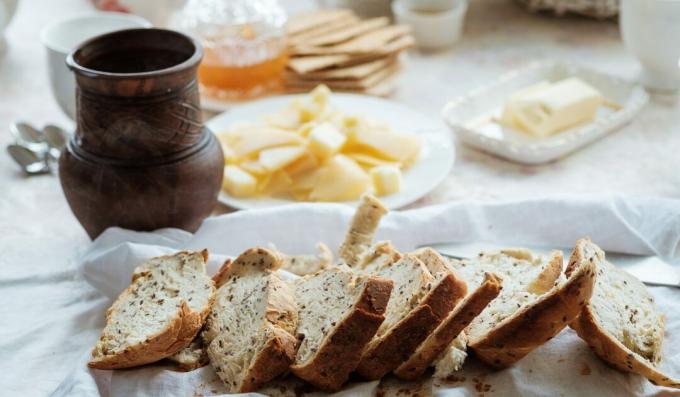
x,y
63,36
431,168
473,117
433,30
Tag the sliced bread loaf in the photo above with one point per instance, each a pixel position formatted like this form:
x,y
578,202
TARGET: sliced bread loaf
x,y
158,314
340,313
249,331
621,322
423,296
519,321
443,344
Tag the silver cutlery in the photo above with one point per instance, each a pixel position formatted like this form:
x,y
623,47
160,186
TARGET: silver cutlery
x,y
650,269
37,151
30,162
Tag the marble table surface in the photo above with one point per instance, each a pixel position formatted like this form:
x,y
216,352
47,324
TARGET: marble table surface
x,y
40,235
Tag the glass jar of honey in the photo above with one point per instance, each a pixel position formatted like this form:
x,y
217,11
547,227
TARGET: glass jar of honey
x,y
244,45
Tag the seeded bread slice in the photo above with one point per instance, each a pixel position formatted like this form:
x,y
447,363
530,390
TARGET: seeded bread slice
x,y
425,291
518,323
303,265
359,238
621,322
249,331
438,343
190,357
453,357
158,314
340,313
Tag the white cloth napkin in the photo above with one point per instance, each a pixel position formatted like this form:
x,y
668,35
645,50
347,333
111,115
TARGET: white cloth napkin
x,y
563,366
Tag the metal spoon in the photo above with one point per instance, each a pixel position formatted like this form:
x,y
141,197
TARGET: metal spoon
x,y
56,137
31,163
28,136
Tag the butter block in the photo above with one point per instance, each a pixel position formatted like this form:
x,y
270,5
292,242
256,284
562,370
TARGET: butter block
x,y
238,182
386,179
545,110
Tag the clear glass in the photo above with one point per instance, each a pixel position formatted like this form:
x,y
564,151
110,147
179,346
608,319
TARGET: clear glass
x,y
244,43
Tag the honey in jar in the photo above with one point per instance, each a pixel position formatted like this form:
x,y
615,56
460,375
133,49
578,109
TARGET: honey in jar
x,y
244,45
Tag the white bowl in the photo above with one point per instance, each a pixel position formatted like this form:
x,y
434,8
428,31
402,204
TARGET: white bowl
x,y
432,30
63,36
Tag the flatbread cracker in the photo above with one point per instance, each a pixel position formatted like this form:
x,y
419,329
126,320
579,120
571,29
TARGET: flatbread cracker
x,y
340,35
302,65
368,43
309,20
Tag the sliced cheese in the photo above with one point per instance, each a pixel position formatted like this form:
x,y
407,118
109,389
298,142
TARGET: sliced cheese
x,y
238,182
262,138
386,179
341,179
387,144
276,158
325,140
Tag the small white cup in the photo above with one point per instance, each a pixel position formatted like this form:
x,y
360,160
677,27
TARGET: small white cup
x,y
651,31
63,36
433,30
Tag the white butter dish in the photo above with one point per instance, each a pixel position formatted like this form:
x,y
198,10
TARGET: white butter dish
x,y
474,116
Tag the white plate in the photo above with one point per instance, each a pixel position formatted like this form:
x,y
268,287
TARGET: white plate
x,y
472,117
433,165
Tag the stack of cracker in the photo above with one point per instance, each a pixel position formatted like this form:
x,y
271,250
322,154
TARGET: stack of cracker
x,y
336,48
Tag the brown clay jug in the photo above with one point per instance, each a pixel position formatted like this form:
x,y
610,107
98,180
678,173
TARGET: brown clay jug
x,y
141,158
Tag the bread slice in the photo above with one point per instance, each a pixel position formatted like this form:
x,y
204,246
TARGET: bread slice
x,y
444,341
340,313
453,357
621,322
423,296
519,321
359,237
191,357
158,314
249,331
303,265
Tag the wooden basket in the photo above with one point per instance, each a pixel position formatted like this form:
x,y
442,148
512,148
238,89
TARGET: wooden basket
x,y
591,8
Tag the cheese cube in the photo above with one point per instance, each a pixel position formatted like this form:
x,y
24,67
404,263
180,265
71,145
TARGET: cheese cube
x,y
238,182
325,140
386,179
279,157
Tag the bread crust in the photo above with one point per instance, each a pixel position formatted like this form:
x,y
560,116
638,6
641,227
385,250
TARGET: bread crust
x,y
509,341
453,324
340,352
390,350
607,347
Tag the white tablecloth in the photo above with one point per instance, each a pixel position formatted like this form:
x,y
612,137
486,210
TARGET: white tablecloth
x,y
36,342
